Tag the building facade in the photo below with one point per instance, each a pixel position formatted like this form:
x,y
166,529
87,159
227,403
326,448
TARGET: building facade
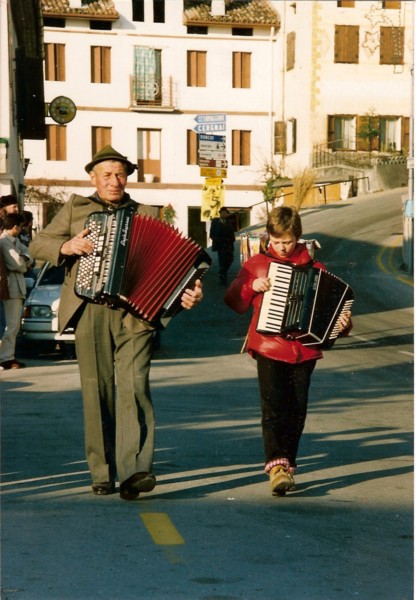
x,y
22,102
206,95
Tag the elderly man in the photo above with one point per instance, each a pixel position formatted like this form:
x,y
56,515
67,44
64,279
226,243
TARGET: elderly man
x,y
112,345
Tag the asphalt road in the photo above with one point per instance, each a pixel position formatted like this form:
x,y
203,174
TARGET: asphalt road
x,y
211,529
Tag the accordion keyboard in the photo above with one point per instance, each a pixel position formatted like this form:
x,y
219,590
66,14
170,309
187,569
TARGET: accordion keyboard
x,y
275,299
91,268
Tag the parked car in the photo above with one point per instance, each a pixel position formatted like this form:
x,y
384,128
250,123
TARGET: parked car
x,y
39,325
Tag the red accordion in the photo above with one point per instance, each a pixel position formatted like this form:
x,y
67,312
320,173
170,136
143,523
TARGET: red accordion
x,y
139,263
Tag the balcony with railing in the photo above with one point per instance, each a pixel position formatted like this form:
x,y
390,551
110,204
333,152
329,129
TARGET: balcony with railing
x,y
153,94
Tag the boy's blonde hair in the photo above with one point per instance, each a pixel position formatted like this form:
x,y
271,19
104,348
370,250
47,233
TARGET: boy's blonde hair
x,y
284,219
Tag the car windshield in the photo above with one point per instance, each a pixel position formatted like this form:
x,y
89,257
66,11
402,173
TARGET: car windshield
x,y
52,276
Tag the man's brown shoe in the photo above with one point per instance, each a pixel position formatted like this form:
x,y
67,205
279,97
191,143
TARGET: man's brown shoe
x,y
138,482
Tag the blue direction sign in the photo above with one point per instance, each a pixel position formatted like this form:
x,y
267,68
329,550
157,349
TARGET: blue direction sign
x,y
210,123
209,127
213,118
212,138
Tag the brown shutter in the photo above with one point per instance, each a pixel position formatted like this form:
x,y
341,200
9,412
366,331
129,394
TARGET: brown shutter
x,y
280,137
391,45
106,65
201,73
95,64
331,131
246,69
191,148
346,46
405,133
236,142
290,50
60,62
245,147
236,69
49,62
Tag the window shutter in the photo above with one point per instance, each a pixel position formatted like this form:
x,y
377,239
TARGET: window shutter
x,y
331,131
290,50
280,137
405,132
236,142
346,46
391,45
191,148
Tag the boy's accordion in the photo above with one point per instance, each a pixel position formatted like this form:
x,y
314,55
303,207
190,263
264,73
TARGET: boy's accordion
x,y
304,303
140,264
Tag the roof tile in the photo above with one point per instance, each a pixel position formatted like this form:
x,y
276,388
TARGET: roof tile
x,y
94,8
241,12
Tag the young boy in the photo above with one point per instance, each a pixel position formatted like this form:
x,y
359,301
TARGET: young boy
x,y
284,365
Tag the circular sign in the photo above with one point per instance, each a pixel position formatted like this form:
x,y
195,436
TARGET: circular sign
x,y
62,110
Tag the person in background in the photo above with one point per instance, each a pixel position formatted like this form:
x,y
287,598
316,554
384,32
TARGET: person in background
x,y
284,364
223,238
8,205
112,345
17,261
26,234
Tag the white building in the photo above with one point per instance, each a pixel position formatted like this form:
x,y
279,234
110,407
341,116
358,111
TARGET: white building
x,y
288,84
21,84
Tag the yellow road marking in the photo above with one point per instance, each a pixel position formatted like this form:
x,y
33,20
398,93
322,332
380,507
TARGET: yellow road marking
x,y
389,267
161,529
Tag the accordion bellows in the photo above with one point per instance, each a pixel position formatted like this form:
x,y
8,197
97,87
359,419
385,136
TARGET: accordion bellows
x,y
139,263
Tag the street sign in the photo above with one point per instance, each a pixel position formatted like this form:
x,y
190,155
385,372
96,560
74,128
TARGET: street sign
x,y
210,123
209,127
219,164
213,172
212,118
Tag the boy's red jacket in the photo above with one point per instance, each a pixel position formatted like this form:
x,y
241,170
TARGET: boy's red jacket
x,y
240,296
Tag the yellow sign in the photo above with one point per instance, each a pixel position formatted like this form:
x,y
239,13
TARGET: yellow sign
x,y
213,172
213,193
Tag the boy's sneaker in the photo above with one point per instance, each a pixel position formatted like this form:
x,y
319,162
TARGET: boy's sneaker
x,y
281,480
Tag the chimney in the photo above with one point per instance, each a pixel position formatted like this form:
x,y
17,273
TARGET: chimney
x,y
218,8
75,3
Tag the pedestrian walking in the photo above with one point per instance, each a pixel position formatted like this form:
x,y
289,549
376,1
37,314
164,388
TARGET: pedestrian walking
x,y
223,238
114,347
284,364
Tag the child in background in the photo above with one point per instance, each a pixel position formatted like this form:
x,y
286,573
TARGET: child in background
x,y
284,364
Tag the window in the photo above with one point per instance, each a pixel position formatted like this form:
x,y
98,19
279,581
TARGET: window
x,y
55,62
55,142
54,22
285,137
148,154
346,43
390,135
100,137
346,4
196,30
192,147
241,147
246,31
196,62
342,132
391,45
290,50
147,80
138,10
241,69
100,64
101,25
158,11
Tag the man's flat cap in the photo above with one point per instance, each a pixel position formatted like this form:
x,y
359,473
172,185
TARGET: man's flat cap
x,y
108,153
